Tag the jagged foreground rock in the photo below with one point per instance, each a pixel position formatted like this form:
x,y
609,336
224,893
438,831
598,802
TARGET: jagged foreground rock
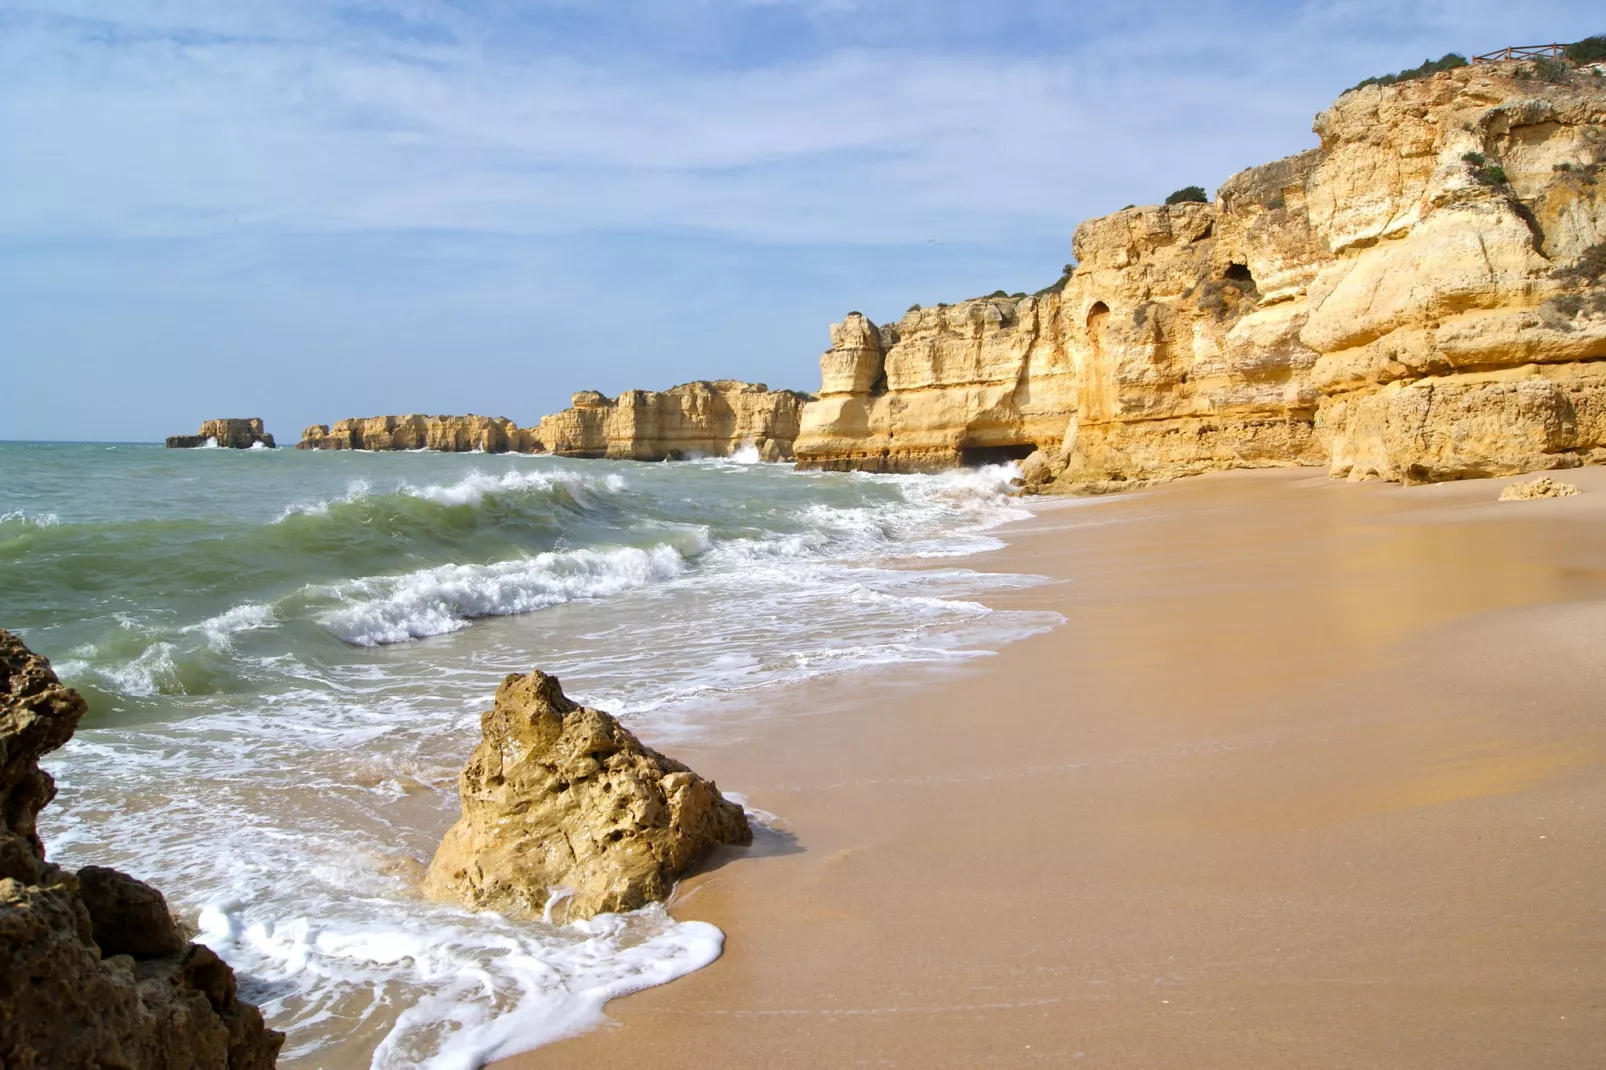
x,y
1420,298
450,434
710,419
229,434
560,799
93,970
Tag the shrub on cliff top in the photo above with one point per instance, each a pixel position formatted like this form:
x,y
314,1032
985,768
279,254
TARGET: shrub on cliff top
x,y
1448,62
1188,195
1552,70
1589,50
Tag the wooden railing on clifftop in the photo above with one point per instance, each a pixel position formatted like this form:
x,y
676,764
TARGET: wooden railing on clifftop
x,y
1521,52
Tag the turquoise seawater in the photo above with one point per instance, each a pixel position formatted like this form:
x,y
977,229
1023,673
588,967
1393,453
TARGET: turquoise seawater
x,y
285,655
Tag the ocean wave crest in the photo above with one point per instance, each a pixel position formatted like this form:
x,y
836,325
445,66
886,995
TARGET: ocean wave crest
x,y
586,489
434,601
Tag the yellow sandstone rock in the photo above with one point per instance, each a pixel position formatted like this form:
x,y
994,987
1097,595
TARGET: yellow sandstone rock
x,y
1543,487
448,434
708,419
239,434
1422,297
562,804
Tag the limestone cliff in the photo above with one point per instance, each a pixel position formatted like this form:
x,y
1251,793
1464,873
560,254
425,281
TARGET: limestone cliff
x,y
983,379
229,434
562,805
93,970
1418,298
710,419
449,434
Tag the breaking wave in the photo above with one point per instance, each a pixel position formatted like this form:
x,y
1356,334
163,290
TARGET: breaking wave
x,y
271,741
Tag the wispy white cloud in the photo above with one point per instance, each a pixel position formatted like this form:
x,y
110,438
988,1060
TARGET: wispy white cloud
x,y
302,205
170,117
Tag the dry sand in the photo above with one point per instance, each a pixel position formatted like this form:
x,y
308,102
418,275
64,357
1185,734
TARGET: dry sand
x,y
1312,776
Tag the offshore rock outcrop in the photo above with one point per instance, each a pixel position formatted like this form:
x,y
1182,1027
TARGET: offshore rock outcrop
x,y
228,434
448,434
93,970
708,419
1419,298
563,804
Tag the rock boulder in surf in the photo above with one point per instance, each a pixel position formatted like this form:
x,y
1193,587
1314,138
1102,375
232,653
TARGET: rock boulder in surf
x,y
561,803
93,970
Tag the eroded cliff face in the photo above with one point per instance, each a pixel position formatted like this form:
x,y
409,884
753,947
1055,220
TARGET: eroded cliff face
x,y
94,971
1461,324
240,434
1419,298
710,419
983,379
449,434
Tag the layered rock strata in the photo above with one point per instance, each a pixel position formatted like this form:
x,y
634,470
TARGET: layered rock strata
x,y
449,434
564,806
709,419
229,434
94,971
1419,298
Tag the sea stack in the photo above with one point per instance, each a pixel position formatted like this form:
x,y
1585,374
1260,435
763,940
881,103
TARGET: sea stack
x,y
229,434
93,969
563,805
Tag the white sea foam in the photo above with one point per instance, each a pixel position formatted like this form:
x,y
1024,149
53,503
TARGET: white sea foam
x,y
356,490
221,629
294,816
746,453
151,673
472,488
38,520
434,601
480,987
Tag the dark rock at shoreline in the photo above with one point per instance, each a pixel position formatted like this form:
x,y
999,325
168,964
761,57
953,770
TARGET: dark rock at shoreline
x,y
93,970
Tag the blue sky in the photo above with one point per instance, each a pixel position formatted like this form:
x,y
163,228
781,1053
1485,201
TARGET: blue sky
x,y
306,210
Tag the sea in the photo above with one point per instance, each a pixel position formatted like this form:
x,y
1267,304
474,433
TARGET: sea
x,y
286,655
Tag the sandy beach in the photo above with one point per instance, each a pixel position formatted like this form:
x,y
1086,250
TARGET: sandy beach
x,y
1311,775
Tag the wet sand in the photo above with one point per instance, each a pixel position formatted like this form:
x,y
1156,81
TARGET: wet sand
x,y
1313,775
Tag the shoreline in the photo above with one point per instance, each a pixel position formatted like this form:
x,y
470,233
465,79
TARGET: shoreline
x,y
1305,778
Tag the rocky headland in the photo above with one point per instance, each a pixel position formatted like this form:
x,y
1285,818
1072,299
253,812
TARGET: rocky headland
x,y
708,419
1419,298
564,807
94,971
449,434
228,434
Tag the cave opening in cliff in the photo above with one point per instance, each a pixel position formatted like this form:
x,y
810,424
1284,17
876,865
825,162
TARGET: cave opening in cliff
x,y
1239,273
976,456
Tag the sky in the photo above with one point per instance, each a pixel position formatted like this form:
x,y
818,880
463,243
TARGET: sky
x,y
305,210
